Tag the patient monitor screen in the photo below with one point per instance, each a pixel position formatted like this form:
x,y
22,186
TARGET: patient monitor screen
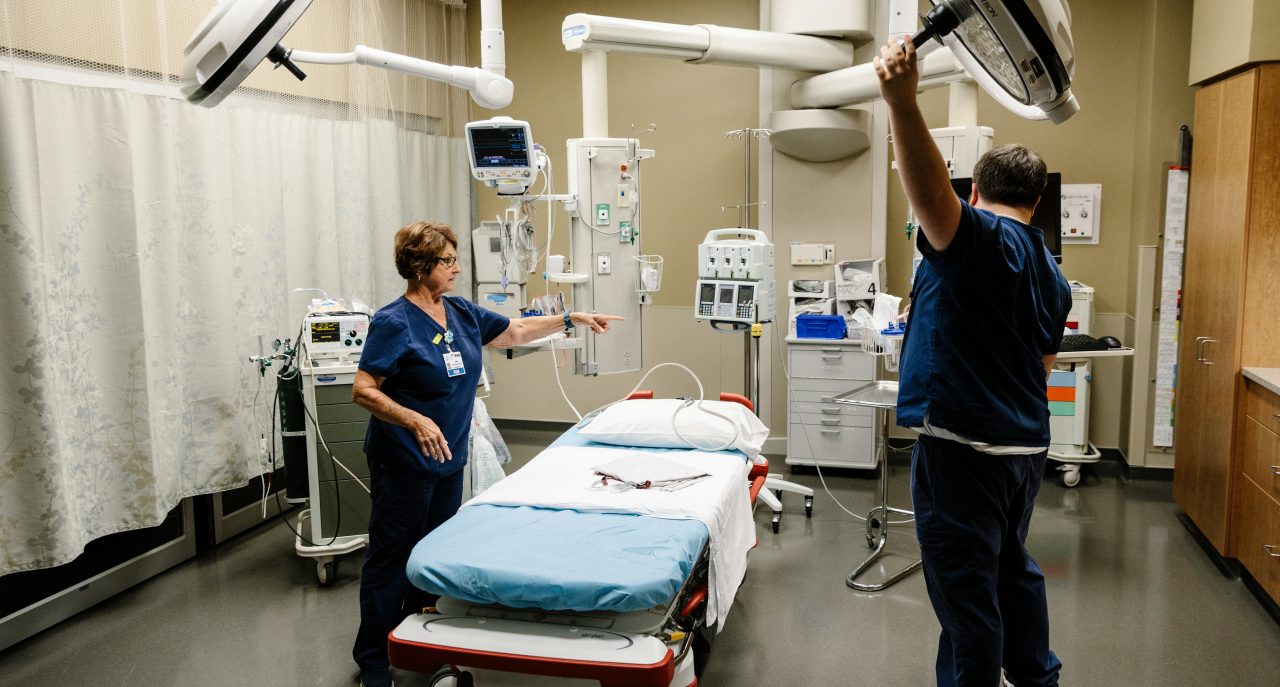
x,y
500,147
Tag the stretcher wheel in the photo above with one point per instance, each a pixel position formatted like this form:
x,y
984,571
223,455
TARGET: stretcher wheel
x,y
808,506
326,572
452,677
1071,476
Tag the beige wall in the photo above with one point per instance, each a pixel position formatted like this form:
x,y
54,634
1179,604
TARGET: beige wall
x,y
1232,33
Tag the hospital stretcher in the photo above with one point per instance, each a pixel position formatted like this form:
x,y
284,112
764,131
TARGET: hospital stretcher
x,y
616,598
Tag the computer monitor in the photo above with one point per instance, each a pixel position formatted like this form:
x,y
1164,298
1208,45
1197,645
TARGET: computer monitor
x,y
1048,214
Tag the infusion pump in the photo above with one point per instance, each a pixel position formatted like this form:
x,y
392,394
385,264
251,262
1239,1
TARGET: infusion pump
x,y
735,277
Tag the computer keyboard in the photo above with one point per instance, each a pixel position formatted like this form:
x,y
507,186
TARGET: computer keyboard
x,y
1081,342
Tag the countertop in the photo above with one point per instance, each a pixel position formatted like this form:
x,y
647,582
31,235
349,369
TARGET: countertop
x,y
1268,377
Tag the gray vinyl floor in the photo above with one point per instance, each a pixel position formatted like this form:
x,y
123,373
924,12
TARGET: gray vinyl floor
x,y
1133,601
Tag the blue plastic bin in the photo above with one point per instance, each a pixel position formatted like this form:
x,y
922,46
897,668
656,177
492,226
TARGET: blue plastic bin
x,y
820,327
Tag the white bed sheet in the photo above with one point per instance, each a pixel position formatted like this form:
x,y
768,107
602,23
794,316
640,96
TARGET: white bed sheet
x,y
561,477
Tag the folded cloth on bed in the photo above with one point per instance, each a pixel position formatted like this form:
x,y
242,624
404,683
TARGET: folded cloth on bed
x,y
562,478
557,560
640,470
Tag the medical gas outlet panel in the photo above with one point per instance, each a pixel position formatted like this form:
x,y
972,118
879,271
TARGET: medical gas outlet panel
x,y
735,277
605,246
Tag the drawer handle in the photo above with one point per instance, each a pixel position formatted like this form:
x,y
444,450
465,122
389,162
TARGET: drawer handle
x,y
1271,550
830,350
828,399
830,421
837,356
829,431
1275,469
831,411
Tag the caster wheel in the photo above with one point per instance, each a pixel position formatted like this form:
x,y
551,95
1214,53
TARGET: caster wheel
x,y
326,572
808,507
777,520
1070,478
451,676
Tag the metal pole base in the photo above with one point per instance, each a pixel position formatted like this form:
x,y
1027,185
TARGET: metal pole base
x,y
889,581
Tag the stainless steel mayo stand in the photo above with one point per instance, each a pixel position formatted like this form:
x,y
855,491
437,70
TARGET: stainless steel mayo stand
x,y
883,397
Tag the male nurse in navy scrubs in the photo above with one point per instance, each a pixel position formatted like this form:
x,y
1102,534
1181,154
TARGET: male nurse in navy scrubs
x,y
987,314
418,375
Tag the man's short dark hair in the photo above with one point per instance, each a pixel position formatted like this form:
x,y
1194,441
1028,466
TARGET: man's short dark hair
x,y
1012,175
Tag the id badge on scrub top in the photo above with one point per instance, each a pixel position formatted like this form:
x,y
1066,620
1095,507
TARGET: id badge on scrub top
x,y
453,364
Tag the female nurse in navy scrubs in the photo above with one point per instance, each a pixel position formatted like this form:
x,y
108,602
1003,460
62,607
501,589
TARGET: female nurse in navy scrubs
x,y
418,377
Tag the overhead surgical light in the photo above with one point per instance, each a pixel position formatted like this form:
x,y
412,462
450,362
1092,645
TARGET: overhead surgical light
x,y
238,34
1020,53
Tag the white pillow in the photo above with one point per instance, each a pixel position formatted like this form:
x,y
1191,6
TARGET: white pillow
x,y
648,422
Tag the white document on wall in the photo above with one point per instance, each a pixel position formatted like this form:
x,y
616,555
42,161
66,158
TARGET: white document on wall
x,y
1175,233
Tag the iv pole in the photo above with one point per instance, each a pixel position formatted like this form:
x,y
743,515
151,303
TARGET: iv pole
x,y
751,342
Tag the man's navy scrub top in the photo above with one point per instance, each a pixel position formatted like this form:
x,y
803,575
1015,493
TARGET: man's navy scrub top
x,y
984,313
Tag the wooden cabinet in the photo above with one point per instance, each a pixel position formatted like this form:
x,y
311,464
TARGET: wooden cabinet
x,y
1231,310
1255,525
821,431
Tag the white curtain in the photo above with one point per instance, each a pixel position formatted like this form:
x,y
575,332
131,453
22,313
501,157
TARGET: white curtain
x,y
146,247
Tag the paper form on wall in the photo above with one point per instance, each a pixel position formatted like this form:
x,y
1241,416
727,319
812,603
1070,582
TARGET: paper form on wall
x,y
1175,233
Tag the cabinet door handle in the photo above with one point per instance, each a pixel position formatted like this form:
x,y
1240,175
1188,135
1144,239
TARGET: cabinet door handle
x,y
1275,470
1200,348
1276,418
1205,346
1271,550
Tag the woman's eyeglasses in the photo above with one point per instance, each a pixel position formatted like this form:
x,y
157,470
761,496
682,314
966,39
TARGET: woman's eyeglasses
x,y
449,261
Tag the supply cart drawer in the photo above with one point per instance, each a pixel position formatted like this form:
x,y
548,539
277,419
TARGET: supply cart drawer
x,y
830,446
844,416
831,362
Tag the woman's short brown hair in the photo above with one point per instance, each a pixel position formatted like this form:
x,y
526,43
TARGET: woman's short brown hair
x,y
419,245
